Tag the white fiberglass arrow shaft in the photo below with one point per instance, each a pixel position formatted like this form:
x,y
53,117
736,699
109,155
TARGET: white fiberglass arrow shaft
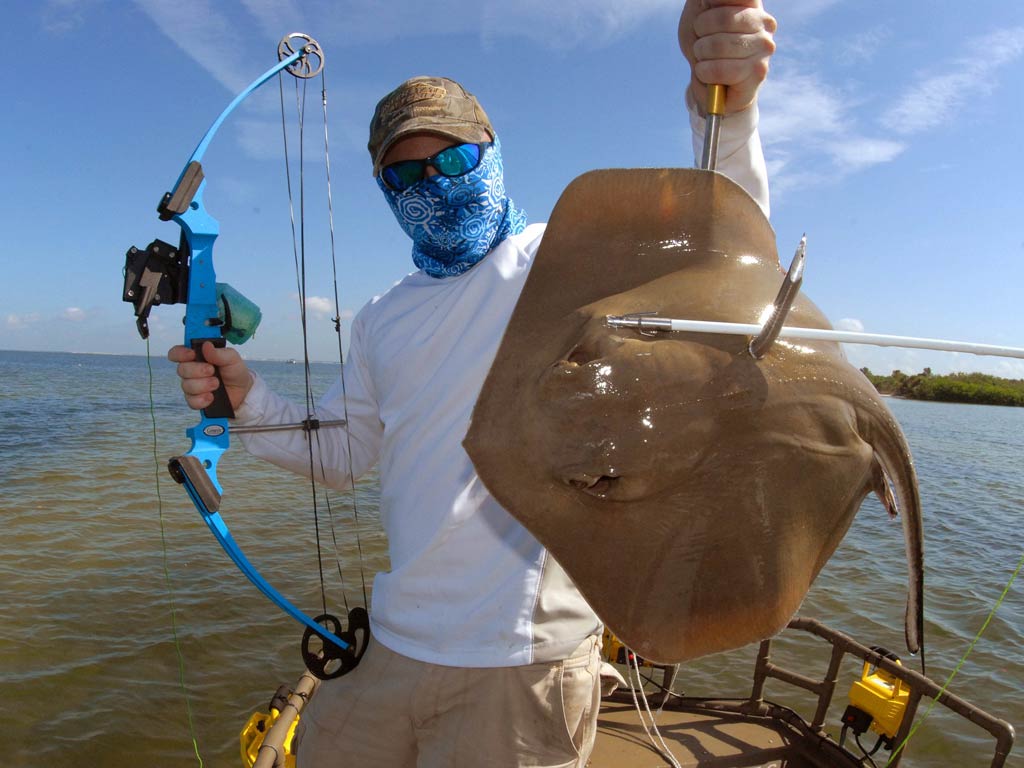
x,y
653,323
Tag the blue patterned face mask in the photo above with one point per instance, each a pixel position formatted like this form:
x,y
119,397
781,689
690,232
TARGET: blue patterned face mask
x,y
455,222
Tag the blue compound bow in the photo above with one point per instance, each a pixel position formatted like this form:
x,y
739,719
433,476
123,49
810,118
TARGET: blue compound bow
x,y
163,274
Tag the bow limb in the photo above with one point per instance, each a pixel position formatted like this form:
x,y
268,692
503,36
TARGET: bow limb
x,y
286,63
184,204
197,472
200,481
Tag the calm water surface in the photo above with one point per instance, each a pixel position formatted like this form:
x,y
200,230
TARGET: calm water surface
x,y
86,644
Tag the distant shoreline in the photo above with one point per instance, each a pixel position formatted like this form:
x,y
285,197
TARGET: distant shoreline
x,y
160,356
970,388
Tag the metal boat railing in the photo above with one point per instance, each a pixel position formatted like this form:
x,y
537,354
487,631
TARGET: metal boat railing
x,y
919,687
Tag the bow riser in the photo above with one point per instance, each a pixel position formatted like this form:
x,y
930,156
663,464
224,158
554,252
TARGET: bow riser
x,y
202,313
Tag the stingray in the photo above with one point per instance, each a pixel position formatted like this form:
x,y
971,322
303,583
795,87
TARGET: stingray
x,y
691,491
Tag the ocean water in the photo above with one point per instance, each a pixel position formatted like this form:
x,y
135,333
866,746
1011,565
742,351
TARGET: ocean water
x,y
87,646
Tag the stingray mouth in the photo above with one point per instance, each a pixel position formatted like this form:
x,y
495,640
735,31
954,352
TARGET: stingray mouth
x,y
607,483
595,485
620,418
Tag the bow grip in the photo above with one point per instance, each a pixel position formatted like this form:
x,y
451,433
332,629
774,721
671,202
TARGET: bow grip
x,y
221,407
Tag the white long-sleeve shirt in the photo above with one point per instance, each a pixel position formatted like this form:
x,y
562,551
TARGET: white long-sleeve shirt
x,y
468,585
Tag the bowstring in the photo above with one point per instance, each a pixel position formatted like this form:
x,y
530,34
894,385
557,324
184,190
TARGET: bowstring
x,y
299,254
341,360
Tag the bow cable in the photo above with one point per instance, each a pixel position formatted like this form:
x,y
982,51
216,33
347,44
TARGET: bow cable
x,y
341,356
299,256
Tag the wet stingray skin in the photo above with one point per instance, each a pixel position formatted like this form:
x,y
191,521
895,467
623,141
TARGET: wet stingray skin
x,y
692,492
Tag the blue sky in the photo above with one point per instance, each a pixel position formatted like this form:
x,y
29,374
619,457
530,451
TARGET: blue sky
x,y
890,130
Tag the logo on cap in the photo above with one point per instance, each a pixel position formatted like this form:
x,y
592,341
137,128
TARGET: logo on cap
x,y
412,94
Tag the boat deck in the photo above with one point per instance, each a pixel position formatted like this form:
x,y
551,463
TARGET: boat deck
x,y
699,734
718,733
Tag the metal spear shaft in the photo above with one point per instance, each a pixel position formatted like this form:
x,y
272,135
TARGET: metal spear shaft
x,y
715,108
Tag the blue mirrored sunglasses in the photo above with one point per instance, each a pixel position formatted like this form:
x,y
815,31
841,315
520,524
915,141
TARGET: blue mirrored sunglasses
x,y
450,162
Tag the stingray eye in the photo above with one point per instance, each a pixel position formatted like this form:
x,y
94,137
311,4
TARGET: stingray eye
x,y
594,346
580,356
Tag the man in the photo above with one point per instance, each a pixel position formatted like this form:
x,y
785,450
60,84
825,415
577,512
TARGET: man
x,y
483,652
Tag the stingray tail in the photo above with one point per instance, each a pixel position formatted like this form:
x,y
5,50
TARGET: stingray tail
x,y
894,481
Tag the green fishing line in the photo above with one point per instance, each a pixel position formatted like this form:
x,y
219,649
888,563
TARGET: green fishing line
x,y
963,659
167,570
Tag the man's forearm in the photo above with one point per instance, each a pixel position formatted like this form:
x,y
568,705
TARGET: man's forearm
x,y
740,156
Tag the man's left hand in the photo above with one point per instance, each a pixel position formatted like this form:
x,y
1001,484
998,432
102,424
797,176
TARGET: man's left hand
x,y
727,42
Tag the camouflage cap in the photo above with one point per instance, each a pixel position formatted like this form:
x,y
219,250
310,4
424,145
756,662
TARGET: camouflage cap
x,y
426,105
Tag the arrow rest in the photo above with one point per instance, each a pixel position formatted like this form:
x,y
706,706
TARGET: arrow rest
x,y
327,660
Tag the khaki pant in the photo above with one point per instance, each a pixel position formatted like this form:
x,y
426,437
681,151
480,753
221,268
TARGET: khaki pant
x,y
394,712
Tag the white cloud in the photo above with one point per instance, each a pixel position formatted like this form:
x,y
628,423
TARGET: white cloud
x,y
221,37
560,25
795,105
18,322
274,16
858,152
319,307
936,97
74,314
62,17
800,10
929,103
569,23
849,324
205,35
810,132
1009,369
810,127
862,47
201,28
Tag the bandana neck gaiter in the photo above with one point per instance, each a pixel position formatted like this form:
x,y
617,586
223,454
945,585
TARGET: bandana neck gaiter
x,y
455,222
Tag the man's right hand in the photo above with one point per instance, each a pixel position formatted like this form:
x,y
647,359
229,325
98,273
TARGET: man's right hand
x,y
728,42
199,379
